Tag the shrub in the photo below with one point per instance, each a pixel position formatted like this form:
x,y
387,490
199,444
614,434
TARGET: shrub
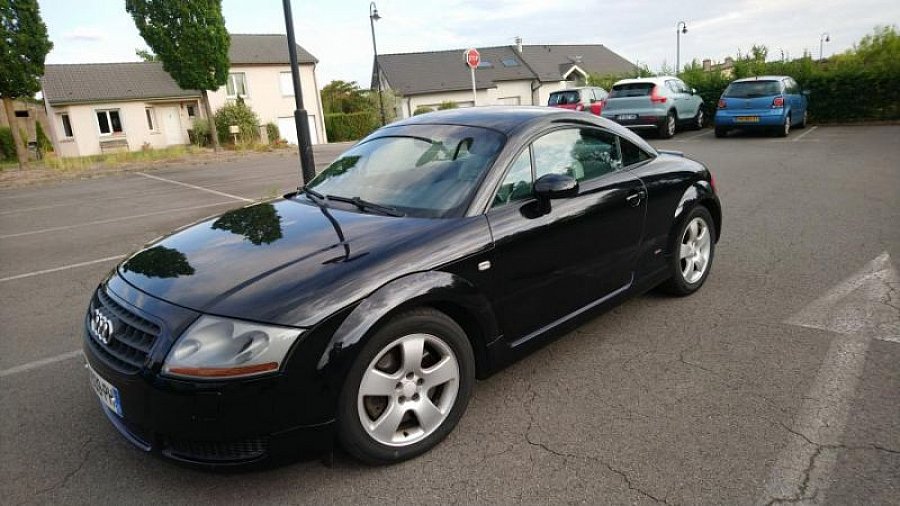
x,y
43,142
7,145
273,133
448,105
350,126
199,133
240,114
422,109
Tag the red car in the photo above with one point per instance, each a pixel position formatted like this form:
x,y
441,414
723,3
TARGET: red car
x,y
588,98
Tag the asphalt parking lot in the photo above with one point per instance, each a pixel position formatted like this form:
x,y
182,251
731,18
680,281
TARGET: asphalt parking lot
x,y
779,380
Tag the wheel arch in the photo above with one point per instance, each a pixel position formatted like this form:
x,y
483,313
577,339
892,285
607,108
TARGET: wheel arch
x,y
446,292
699,193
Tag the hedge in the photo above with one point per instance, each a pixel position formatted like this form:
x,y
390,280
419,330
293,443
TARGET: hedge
x,y
350,126
240,114
7,145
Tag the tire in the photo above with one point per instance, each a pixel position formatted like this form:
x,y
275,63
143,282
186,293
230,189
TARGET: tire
x,y
667,129
721,132
699,119
804,120
424,398
684,280
785,129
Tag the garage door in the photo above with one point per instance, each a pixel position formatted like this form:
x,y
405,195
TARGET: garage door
x,y
289,132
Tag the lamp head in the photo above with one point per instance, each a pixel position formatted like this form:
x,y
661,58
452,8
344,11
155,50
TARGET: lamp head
x,y
373,12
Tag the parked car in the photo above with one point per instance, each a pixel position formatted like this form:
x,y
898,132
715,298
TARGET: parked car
x,y
588,98
766,102
654,103
433,252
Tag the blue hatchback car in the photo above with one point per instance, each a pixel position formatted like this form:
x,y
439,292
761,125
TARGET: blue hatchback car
x,y
764,102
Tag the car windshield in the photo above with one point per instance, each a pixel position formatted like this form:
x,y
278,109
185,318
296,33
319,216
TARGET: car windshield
x,y
752,89
426,171
631,90
564,98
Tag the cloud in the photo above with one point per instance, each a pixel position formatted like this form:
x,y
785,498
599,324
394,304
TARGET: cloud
x,y
84,34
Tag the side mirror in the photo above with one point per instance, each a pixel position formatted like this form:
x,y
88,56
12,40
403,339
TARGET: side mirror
x,y
805,93
555,186
693,91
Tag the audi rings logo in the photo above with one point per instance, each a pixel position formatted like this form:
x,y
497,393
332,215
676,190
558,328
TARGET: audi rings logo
x,y
102,326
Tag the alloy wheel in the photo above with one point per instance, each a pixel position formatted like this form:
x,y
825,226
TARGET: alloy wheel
x,y
695,250
670,125
699,119
408,390
787,126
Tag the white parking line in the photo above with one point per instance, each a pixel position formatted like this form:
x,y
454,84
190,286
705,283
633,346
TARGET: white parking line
x,y
39,363
62,268
697,135
111,220
804,134
195,187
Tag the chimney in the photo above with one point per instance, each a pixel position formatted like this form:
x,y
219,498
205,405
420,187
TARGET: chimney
x,y
519,44
707,65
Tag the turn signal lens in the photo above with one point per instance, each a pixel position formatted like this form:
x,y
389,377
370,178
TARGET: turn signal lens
x,y
722,104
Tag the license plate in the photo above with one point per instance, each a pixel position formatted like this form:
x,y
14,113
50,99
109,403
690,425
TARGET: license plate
x,y
108,394
747,119
626,116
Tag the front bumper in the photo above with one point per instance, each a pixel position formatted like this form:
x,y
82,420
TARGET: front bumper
x,y
208,422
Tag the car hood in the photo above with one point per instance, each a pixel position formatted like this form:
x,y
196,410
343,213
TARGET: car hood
x,y
285,262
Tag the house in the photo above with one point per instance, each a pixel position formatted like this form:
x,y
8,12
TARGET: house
x,y
508,75
101,107
725,68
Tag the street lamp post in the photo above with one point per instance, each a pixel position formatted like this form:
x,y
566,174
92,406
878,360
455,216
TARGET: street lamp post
x,y
301,118
823,38
373,17
680,28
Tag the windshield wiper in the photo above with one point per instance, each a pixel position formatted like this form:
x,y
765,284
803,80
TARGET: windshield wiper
x,y
364,205
313,195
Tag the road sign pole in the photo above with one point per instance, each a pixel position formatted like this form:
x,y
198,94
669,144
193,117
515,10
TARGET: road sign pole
x,y
474,92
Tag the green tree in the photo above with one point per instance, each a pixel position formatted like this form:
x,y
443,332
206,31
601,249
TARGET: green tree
x,y
448,104
346,97
145,55
23,47
190,39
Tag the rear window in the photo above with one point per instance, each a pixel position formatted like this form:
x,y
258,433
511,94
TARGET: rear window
x,y
631,90
564,97
752,89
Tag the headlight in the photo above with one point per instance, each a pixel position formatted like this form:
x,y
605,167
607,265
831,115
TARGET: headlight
x,y
216,348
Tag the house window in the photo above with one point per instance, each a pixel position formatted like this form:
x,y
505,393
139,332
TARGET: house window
x,y
485,64
191,111
67,125
510,62
236,85
287,84
109,122
151,118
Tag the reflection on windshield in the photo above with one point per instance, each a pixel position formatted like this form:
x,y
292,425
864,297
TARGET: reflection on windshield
x,y
260,223
159,262
425,171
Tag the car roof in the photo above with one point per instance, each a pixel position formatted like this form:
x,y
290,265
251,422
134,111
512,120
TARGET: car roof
x,y
575,88
654,80
760,78
497,117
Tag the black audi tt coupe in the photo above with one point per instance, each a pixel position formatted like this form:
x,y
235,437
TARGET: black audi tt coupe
x,y
363,307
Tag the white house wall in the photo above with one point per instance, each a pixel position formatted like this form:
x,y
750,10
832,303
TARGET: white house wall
x,y
504,90
265,97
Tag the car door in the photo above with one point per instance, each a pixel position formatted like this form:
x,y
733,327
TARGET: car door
x,y
547,265
797,104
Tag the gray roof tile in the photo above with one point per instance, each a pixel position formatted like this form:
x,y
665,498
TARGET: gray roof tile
x,y
431,71
262,49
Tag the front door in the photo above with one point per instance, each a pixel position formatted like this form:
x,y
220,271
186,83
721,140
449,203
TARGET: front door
x,y
172,125
548,265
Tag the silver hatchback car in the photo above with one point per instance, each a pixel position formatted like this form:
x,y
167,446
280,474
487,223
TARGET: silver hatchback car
x,y
654,103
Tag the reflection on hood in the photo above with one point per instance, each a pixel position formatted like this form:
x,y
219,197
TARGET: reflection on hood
x,y
159,262
260,223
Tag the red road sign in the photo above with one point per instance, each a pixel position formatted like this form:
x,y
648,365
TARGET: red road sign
x,y
473,57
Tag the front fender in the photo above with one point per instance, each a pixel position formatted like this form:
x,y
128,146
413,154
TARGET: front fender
x,y
436,288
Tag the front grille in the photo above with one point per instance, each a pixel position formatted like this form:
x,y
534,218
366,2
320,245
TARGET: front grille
x,y
211,452
131,340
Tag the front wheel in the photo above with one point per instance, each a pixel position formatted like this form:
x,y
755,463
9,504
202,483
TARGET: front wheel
x,y
692,254
407,389
721,132
699,119
804,120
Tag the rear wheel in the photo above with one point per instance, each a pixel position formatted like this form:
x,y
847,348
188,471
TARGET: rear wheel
x,y
692,253
721,132
667,129
785,129
407,389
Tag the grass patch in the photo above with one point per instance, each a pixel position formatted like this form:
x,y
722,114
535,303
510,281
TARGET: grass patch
x,y
112,160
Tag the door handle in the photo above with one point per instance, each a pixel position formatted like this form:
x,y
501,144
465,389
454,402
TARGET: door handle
x,y
635,197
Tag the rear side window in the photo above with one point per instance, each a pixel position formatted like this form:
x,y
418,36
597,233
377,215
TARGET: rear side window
x,y
631,154
564,97
752,89
631,90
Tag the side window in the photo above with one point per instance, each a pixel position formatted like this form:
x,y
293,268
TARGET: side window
x,y
672,87
517,184
583,153
631,154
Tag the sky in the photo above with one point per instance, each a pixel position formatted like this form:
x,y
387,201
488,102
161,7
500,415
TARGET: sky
x,y
337,31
